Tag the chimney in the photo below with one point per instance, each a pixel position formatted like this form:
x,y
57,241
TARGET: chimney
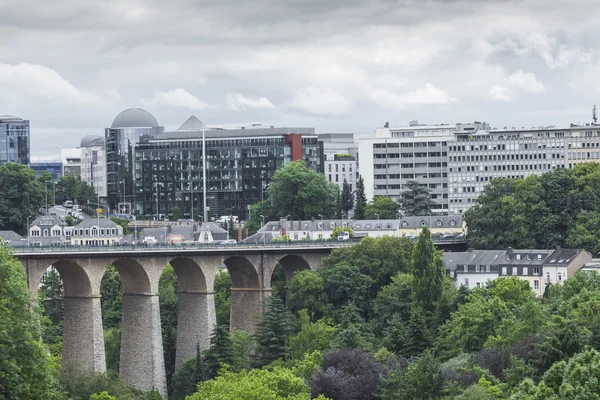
x,y
386,125
509,250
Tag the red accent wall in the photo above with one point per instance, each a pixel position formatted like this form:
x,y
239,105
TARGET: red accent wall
x,y
295,142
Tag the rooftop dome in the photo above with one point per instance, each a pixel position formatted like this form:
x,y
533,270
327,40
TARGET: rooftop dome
x,y
91,140
135,118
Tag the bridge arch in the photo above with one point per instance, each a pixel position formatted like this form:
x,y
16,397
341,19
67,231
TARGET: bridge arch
x,y
195,308
136,280
247,292
292,263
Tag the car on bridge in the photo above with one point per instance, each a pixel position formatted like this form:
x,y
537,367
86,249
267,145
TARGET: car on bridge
x,y
228,242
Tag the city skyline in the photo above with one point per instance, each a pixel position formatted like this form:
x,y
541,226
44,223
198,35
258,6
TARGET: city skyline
x,y
338,67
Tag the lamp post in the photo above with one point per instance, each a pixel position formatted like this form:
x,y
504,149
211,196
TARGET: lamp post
x,y
263,224
322,235
377,224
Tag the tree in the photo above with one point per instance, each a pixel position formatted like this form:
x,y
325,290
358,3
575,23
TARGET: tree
x,y
428,273
222,289
361,199
301,192
22,196
52,299
383,206
339,229
220,351
305,291
312,337
176,213
417,336
168,300
273,332
111,298
24,366
416,200
255,220
347,198
343,284
421,380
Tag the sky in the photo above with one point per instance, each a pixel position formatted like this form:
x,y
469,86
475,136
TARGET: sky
x,y
71,66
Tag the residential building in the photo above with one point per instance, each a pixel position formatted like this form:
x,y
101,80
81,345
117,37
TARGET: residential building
x,y
211,232
239,165
447,225
93,163
121,141
49,230
71,162
96,232
539,267
14,140
10,237
53,167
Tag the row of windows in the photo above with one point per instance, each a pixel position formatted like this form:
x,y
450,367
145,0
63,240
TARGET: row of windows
x,y
337,168
94,232
408,145
511,167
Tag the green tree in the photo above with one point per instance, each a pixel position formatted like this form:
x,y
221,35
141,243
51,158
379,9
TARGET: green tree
x,y
124,223
111,298
187,377
361,199
428,273
254,222
24,367
301,192
340,229
257,384
22,196
168,300
102,396
222,289
383,206
312,337
273,332
305,291
176,213
416,200
220,351
345,284
112,348
347,198
52,299
417,337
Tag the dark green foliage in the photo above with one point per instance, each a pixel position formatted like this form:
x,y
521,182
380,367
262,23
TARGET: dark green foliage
x,y
51,299
385,207
80,386
416,200
124,223
168,300
255,220
219,353
417,335
428,273
347,198
222,296
273,332
111,290
305,291
301,193
419,380
24,368
22,196
112,348
343,284
175,213
73,188
279,283
361,199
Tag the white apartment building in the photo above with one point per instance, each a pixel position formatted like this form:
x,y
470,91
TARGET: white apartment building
x,y
340,158
93,163
456,161
71,162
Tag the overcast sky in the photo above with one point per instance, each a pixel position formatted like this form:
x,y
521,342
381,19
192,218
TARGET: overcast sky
x,y
71,66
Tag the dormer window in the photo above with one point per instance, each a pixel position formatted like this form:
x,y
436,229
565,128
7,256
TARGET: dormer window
x,y
466,268
357,226
452,222
488,268
438,222
404,224
368,226
344,224
539,257
332,225
320,225
518,257
477,268
528,257
507,256
423,223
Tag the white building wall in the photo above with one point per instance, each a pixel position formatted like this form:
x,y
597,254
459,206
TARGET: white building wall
x,y
472,280
94,172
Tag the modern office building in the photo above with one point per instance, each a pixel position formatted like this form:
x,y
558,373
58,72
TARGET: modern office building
x,y
71,162
456,161
239,166
121,140
14,140
54,167
93,163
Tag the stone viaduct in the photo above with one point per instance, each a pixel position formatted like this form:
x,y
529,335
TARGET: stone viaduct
x,y
142,362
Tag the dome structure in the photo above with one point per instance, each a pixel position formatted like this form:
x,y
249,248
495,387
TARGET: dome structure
x,y
134,118
91,140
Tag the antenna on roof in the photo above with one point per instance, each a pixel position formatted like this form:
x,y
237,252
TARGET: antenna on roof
x,y
595,114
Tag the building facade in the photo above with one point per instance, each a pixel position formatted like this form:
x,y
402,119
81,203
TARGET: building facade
x,y
53,167
538,267
93,163
71,162
455,162
121,141
340,158
14,140
239,166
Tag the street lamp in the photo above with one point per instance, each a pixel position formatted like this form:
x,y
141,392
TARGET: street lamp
x,y
322,235
263,224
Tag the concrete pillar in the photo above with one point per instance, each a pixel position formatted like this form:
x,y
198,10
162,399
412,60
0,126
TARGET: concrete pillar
x,y
83,337
247,304
142,360
195,323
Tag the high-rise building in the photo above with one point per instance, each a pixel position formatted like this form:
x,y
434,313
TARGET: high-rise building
x,y
53,167
239,166
71,162
340,158
14,140
93,163
456,161
121,140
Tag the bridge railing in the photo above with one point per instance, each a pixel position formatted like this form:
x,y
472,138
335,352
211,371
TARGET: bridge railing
x,y
203,246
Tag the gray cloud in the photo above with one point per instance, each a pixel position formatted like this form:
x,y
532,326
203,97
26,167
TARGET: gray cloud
x,y
335,65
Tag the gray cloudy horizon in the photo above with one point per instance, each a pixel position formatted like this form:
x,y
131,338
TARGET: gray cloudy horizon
x,y
340,66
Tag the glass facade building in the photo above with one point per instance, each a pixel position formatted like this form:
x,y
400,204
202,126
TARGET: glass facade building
x,y
14,140
53,167
120,143
239,166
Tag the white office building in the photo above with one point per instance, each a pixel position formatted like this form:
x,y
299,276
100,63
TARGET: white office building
x,y
93,163
340,158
